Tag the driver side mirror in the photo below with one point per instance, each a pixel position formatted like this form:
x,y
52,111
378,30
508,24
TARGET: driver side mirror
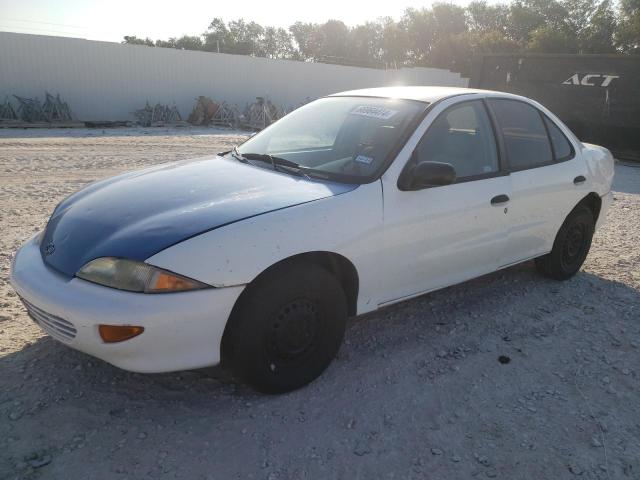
x,y
429,174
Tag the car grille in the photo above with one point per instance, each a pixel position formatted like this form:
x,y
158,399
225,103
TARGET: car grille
x,y
55,326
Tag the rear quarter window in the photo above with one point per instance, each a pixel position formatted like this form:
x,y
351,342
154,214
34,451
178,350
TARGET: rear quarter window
x,y
562,148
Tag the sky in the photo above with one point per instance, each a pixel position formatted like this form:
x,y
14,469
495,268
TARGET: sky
x,y
110,20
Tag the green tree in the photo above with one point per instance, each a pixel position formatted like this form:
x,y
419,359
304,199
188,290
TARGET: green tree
x,y
334,36
452,52
492,42
171,43
364,42
594,24
307,38
443,35
627,35
133,40
393,43
598,35
456,52
237,37
187,42
277,43
448,19
522,21
244,38
217,36
427,29
482,17
420,28
550,40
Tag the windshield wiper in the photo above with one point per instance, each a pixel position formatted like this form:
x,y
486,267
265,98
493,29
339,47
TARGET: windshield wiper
x,y
237,155
265,157
278,163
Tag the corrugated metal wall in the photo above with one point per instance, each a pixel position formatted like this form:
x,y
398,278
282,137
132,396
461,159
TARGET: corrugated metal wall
x,y
107,81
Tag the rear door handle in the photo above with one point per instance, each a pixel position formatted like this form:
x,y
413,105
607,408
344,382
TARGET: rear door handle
x,y
579,180
499,199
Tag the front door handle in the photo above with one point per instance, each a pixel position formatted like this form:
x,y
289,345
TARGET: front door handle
x,y
499,200
579,180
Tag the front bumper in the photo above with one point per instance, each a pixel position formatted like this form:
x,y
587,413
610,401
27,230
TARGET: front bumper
x,y
181,330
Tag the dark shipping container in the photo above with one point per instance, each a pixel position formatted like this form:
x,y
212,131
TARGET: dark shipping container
x,y
597,96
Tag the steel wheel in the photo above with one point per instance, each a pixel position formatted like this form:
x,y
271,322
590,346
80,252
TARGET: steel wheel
x,y
570,247
293,331
287,328
574,244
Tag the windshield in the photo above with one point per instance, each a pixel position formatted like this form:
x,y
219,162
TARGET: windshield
x,y
340,138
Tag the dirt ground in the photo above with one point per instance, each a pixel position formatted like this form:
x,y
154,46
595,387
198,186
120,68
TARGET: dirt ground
x,y
417,391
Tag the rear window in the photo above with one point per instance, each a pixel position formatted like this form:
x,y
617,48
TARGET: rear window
x,y
525,136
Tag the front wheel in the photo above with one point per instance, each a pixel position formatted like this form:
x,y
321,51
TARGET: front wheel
x,y
287,328
570,247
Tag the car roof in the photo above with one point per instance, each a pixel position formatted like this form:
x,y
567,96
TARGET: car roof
x,y
422,93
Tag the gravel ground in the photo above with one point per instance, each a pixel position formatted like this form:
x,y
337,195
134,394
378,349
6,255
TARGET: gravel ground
x,y
418,390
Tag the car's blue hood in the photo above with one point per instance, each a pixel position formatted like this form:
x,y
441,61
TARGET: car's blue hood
x,y
138,214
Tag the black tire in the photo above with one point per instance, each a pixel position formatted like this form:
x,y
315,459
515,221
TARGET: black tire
x,y
570,247
286,329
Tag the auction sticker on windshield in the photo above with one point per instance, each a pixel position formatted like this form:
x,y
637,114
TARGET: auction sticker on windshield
x,y
380,113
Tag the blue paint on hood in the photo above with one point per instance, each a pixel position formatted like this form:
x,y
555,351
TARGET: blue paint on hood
x,y
138,214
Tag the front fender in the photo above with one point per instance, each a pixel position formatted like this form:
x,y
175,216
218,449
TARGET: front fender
x,y
349,224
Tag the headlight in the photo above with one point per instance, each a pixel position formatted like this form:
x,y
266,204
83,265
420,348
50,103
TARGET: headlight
x,y
135,276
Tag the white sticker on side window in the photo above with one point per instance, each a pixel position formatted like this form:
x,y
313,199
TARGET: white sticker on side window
x,y
371,111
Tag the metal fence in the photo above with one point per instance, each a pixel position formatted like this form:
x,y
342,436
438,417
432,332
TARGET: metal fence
x,y
109,81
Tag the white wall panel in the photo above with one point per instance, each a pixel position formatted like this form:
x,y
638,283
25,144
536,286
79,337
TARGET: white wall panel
x,y
107,81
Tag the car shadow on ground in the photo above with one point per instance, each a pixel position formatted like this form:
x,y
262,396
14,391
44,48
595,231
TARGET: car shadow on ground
x,y
488,303
457,370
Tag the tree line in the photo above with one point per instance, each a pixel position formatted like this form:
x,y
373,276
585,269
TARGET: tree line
x,y
443,35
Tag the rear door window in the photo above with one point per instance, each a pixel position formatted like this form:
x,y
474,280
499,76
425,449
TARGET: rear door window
x,y
525,136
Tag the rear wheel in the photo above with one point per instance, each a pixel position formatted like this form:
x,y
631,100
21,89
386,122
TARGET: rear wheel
x,y
570,247
287,328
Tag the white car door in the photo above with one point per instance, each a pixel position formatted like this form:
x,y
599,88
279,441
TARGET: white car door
x,y
547,179
438,236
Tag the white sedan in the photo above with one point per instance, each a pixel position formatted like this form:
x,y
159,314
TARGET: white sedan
x,y
256,257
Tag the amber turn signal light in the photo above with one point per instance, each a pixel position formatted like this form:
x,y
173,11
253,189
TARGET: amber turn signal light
x,y
118,333
166,282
